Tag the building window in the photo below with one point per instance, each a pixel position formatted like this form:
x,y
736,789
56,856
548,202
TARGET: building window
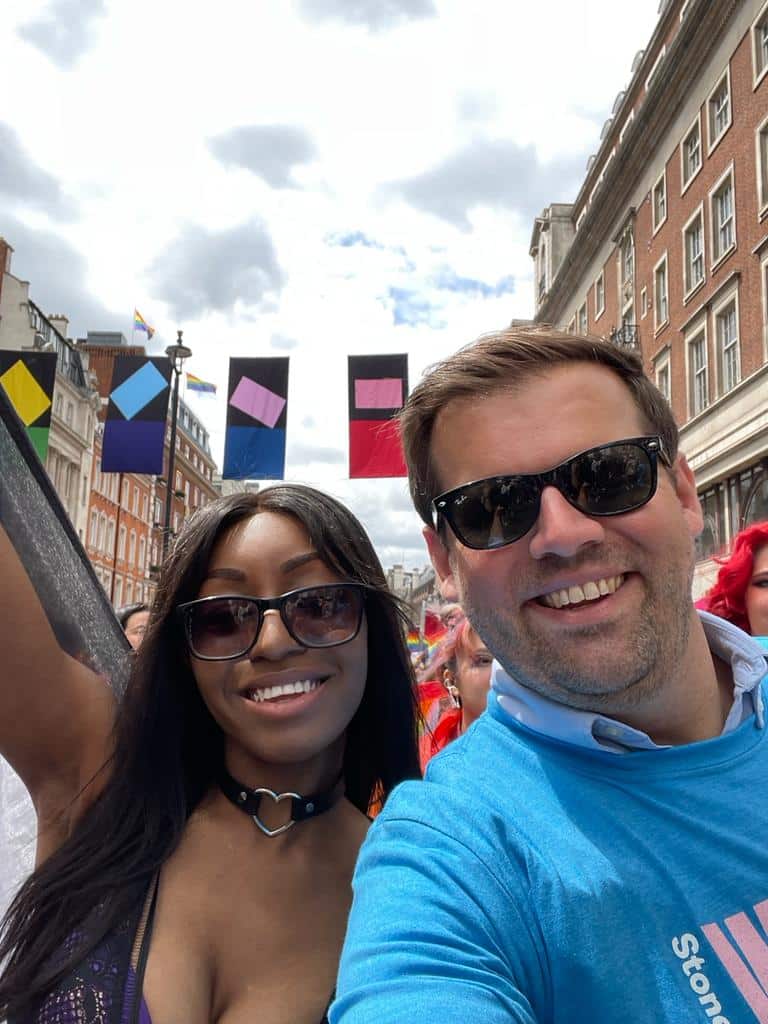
x,y
690,154
128,591
762,166
655,68
699,376
110,536
93,535
643,303
660,293
723,218
125,495
719,110
571,325
660,202
583,319
663,378
727,333
693,248
178,480
132,549
760,44
118,591
145,507
121,542
142,552
712,537
70,414
135,500
627,259
599,296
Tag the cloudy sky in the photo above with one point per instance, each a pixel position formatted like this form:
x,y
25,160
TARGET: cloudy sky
x,y
315,178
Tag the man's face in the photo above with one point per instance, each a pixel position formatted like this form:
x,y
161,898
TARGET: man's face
x,y
611,653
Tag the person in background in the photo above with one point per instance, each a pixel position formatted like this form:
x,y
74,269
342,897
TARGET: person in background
x,y
466,674
740,592
134,619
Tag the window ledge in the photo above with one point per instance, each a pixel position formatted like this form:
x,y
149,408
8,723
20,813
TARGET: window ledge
x,y
759,77
721,259
662,326
716,142
598,315
762,213
695,290
692,178
658,227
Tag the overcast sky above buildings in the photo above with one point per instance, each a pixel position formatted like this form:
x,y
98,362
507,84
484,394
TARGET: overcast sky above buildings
x,y
314,178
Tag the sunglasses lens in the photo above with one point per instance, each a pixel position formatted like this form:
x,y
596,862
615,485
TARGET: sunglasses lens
x,y
222,628
494,512
324,616
610,480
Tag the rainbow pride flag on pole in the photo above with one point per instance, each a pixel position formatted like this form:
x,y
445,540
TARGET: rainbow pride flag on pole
x,y
140,324
197,384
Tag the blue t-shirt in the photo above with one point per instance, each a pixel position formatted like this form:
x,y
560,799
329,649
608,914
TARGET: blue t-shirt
x,y
529,880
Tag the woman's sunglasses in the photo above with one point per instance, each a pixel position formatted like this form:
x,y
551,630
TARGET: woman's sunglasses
x,y
227,626
604,481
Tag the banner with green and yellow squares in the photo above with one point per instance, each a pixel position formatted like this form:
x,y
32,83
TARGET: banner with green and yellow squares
x,y
28,379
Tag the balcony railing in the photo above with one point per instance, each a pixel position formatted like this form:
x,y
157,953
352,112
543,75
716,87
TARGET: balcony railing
x,y
626,336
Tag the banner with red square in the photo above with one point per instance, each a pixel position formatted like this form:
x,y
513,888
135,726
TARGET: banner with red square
x,y
378,387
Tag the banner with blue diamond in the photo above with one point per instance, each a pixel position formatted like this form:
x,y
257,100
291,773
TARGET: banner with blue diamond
x,y
134,429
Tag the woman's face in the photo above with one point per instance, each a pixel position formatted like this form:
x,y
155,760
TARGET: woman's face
x,y
756,597
473,676
269,555
135,628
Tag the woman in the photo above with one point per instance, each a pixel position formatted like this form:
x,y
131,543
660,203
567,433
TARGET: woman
x,y
134,619
466,665
740,593
270,703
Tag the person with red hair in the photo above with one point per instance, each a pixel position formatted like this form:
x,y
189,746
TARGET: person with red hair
x,y
740,592
465,662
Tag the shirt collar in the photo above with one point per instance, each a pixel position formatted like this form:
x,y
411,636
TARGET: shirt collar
x,y
745,655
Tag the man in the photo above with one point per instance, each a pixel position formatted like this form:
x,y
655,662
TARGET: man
x,y
594,848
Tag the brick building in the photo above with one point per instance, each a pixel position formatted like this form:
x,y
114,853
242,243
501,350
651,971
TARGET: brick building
x,y
665,248
127,510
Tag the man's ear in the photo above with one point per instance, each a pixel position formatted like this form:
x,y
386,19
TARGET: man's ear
x,y
687,495
438,554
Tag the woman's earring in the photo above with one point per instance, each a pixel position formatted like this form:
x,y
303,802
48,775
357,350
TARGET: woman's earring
x,y
452,688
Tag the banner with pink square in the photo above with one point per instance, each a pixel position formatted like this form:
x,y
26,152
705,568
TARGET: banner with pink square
x,y
384,393
257,401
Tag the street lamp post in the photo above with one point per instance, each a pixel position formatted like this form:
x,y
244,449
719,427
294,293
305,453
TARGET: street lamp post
x,y
177,354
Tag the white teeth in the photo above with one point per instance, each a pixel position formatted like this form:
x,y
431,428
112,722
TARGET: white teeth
x,y
589,591
265,693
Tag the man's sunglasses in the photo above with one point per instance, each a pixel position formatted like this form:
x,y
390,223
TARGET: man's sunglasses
x,y
604,481
226,626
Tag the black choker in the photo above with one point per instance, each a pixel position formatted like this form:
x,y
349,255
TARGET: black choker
x,y
302,807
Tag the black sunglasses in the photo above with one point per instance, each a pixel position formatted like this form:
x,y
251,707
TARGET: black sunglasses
x,y
604,481
226,626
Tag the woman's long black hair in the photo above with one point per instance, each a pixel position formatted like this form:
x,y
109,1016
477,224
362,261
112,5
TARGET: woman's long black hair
x,y
168,750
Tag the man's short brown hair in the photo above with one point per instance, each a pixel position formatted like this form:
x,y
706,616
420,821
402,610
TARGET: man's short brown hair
x,y
502,361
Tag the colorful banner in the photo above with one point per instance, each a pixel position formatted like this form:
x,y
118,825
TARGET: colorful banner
x,y
378,387
257,413
28,378
198,384
134,430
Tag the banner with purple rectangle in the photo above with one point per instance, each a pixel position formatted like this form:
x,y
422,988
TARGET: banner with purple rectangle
x,y
257,414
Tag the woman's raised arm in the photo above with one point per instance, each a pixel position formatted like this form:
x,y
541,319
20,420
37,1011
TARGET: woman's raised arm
x,y
56,714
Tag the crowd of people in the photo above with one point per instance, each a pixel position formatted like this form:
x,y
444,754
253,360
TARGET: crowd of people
x,y
588,826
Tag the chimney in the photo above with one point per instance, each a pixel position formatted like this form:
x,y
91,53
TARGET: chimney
x,y
60,322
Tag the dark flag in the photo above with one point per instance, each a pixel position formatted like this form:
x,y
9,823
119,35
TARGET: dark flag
x,y
378,387
48,547
257,413
134,430
28,379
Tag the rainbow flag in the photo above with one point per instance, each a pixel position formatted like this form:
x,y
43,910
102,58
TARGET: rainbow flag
x,y
416,642
197,384
140,324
